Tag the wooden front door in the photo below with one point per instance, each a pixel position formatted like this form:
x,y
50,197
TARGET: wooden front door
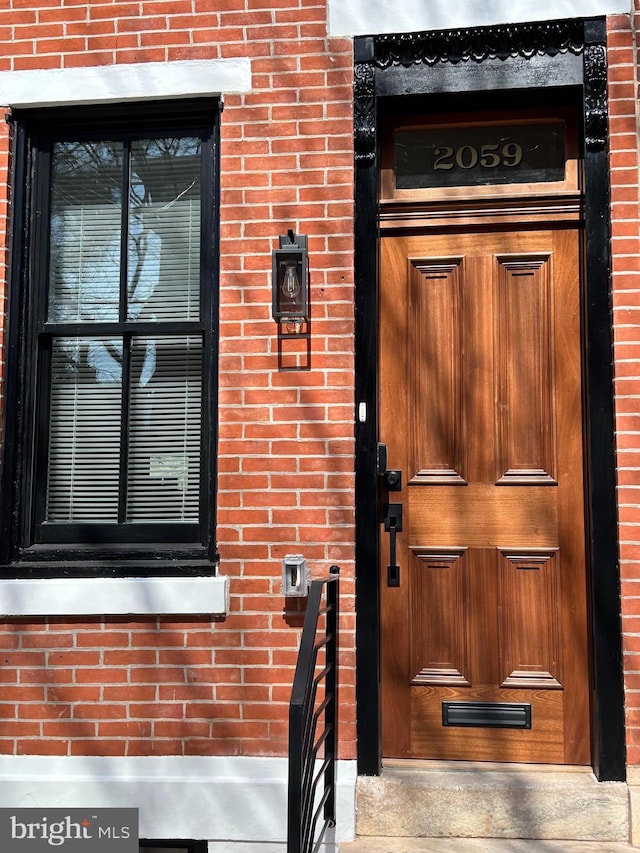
x,y
484,640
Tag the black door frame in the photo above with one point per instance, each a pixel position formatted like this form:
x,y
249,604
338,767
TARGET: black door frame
x,y
548,58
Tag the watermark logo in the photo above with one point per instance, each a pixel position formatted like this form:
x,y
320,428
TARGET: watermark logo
x,y
69,830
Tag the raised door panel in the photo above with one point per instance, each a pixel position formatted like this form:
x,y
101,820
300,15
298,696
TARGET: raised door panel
x,y
435,334
529,620
525,411
440,598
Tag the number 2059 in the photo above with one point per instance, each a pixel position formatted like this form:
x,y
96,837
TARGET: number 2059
x,y
489,156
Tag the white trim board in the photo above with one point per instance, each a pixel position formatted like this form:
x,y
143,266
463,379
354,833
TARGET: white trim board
x,y
57,596
372,17
143,81
220,799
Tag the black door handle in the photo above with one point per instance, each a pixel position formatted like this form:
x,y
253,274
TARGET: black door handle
x,y
393,525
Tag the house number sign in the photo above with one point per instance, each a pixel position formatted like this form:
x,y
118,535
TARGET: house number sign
x,y
476,155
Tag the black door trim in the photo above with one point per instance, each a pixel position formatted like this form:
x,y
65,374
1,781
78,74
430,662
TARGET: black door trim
x,y
560,57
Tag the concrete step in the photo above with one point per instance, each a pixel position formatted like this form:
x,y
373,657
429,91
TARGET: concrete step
x,y
457,800
479,845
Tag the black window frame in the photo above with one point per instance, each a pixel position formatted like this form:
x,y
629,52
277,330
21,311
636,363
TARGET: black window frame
x,y
87,548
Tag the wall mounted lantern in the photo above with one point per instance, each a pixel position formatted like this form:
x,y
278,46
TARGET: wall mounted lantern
x,y
290,279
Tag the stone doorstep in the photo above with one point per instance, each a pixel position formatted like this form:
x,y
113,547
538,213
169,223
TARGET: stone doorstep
x,y
492,801
480,845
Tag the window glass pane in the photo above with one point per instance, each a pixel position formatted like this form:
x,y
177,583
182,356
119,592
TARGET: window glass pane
x,y
164,229
86,212
164,429
84,430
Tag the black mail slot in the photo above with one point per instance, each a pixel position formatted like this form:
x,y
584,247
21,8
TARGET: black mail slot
x,y
493,715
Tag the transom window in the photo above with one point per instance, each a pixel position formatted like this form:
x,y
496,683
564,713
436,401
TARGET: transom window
x,y
455,156
118,278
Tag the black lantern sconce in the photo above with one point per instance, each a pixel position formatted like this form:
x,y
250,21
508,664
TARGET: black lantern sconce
x,y
290,279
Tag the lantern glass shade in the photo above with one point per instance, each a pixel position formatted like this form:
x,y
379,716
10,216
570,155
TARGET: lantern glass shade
x,y
289,283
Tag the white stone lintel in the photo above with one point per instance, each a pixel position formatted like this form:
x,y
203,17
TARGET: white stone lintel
x,y
373,17
143,81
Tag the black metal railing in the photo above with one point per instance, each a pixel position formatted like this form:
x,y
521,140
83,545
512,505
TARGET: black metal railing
x,y
313,721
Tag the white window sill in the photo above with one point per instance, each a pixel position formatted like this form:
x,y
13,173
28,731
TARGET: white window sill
x,y
114,596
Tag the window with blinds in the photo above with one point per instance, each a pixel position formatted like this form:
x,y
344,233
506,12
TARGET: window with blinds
x,y
121,274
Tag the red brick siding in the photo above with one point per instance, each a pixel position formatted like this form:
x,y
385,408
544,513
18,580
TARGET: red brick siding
x,y
623,127
166,686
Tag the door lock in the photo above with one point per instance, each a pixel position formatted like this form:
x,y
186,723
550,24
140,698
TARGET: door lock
x,y
381,459
393,481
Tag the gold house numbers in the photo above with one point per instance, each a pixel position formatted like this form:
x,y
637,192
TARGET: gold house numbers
x,y
468,156
476,155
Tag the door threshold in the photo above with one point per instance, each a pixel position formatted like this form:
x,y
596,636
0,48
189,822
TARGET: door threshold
x,y
440,764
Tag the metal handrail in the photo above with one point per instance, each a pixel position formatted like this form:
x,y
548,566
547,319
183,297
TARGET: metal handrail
x,y
312,754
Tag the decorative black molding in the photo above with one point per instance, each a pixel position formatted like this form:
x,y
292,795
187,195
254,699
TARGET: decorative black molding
x,y
364,112
478,44
595,96
474,45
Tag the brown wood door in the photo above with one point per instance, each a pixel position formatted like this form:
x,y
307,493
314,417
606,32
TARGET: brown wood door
x,y
484,640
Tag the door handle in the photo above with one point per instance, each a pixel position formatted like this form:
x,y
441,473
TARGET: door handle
x,y
393,526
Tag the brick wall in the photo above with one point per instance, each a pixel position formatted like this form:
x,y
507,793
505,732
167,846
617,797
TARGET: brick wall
x,y
165,686
623,126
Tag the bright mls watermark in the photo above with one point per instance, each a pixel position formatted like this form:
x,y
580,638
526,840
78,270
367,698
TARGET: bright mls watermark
x,y
69,830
